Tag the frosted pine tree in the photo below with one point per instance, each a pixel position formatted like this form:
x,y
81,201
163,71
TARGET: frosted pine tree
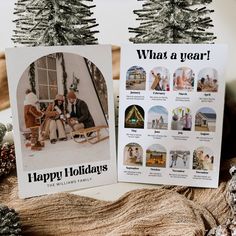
x,y
54,22
173,21
23,22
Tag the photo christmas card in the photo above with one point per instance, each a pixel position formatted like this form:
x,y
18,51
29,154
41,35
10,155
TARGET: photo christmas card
x,y
63,117
171,114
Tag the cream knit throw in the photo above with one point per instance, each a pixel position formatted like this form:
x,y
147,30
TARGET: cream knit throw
x,y
166,211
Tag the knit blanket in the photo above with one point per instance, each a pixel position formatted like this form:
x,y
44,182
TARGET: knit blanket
x,y
163,211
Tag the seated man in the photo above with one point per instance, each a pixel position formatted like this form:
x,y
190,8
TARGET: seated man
x,y
79,114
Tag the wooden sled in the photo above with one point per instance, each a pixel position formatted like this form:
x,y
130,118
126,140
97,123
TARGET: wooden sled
x,y
87,132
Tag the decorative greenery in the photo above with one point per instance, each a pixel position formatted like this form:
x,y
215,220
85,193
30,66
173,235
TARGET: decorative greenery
x,y
228,229
60,56
173,21
3,131
75,83
64,75
7,150
32,78
99,85
23,22
7,159
50,22
9,127
9,222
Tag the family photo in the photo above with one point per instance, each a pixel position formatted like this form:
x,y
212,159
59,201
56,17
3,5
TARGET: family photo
x,y
203,159
183,79
179,158
159,79
63,112
136,78
181,119
133,155
158,118
208,80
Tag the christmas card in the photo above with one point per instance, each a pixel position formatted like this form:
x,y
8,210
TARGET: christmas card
x,y
63,117
171,114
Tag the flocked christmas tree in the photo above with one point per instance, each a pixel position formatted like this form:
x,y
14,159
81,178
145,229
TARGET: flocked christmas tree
x,y
54,22
173,21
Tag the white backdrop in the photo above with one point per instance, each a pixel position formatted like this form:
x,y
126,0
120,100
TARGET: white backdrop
x,y
115,16
118,13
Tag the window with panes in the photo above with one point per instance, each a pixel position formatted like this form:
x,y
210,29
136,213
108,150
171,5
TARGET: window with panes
x,y
46,78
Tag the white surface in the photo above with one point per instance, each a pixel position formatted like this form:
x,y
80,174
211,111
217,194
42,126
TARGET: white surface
x,y
65,153
114,191
115,16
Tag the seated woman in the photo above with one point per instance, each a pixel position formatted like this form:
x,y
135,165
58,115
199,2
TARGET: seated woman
x,y
53,125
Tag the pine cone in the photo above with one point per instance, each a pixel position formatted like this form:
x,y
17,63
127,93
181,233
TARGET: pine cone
x,y
9,127
9,222
3,131
7,159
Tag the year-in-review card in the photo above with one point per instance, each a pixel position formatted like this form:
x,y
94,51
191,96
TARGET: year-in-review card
x,y
171,114
63,117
